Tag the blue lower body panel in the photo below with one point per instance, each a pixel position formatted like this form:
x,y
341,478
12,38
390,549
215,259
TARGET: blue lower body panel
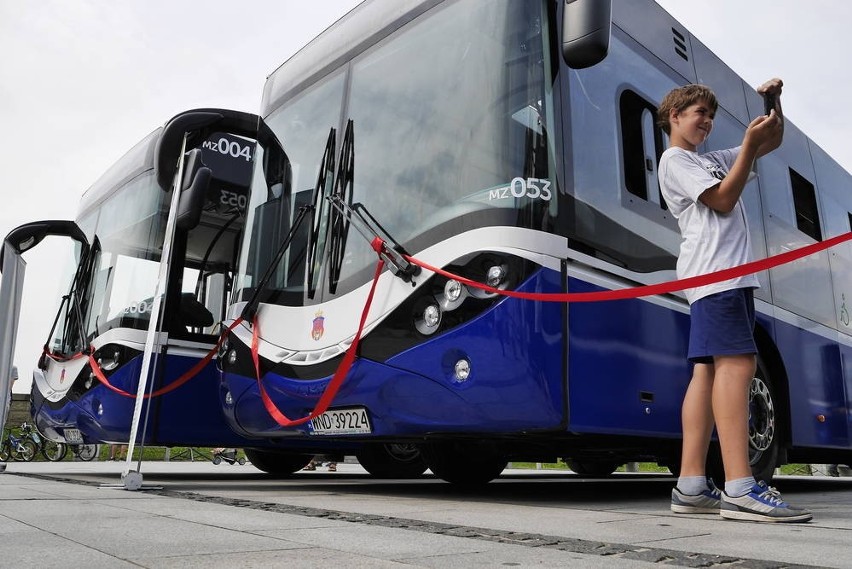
x,y
515,350
189,416
625,364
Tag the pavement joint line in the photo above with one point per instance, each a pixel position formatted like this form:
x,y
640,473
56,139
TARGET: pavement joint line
x,y
662,556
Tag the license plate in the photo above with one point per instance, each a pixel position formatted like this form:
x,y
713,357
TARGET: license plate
x,y
73,436
352,421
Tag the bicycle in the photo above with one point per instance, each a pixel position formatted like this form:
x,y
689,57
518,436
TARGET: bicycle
x,y
84,452
51,450
21,449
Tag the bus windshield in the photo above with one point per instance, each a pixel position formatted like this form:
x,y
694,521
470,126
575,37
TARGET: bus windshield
x,y
130,226
486,158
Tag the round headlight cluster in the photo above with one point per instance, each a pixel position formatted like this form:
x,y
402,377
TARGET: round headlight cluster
x,y
489,269
427,319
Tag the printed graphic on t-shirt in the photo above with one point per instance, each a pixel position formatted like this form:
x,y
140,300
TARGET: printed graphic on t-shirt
x,y
715,170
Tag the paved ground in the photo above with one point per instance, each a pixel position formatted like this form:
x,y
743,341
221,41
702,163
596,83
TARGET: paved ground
x,y
63,515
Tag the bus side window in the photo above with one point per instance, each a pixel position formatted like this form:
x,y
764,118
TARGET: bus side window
x,y
804,201
642,145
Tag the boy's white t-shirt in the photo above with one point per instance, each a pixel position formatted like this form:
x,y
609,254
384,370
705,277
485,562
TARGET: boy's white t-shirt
x,y
711,240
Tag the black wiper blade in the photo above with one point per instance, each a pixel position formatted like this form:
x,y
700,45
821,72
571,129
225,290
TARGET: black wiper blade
x,y
251,306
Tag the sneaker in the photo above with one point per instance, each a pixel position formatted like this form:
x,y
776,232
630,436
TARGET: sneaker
x,y
762,504
707,502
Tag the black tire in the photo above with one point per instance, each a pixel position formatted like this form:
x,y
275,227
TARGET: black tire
x,y
25,452
4,451
217,460
277,462
463,463
392,460
87,452
764,431
597,468
53,451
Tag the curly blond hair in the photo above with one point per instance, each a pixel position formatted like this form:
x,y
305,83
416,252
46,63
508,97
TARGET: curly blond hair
x,y
681,98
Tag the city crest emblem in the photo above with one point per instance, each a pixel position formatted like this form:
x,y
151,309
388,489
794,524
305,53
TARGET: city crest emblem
x,y
318,329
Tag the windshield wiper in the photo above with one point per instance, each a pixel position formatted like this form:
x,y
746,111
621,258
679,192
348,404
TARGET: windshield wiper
x,y
251,306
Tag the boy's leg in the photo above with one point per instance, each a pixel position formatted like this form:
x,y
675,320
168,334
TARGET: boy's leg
x,y
693,494
697,419
730,408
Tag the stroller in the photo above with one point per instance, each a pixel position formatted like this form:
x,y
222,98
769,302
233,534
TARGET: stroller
x,y
229,455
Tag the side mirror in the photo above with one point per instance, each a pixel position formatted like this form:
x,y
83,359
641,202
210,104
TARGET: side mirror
x,y
586,26
193,191
25,237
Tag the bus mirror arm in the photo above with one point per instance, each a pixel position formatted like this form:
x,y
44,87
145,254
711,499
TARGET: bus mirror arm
x,y
392,253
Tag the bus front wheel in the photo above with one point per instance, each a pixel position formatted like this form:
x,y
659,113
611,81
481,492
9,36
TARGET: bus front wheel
x,y
276,462
394,460
463,463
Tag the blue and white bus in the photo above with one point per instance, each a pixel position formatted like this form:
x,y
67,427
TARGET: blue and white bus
x,y
85,386
514,143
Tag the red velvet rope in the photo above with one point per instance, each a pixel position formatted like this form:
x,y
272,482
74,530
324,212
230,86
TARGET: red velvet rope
x,y
651,289
635,292
378,245
185,377
333,386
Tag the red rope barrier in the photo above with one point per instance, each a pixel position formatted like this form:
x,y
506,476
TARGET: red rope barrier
x,y
651,289
340,374
634,292
184,377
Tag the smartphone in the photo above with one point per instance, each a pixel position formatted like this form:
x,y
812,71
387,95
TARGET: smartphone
x,y
768,102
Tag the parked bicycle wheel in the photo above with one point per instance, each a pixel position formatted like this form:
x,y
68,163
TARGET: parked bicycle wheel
x,y
23,451
4,451
86,452
53,451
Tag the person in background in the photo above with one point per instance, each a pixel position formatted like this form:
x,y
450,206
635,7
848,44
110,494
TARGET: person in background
x,y
117,452
318,461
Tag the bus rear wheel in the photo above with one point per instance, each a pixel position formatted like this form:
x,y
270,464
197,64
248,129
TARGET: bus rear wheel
x,y
277,462
395,460
463,463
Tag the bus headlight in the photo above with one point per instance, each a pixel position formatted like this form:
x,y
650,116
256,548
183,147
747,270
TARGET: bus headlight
x,y
461,370
453,295
495,276
110,364
427,319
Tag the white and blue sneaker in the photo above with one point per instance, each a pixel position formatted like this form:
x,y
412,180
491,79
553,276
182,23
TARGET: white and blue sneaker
x,y
707,502
762,504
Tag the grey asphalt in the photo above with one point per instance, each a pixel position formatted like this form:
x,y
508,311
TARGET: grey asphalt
x,y
196,514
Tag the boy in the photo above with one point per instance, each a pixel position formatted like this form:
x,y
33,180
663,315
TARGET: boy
x,y
703,193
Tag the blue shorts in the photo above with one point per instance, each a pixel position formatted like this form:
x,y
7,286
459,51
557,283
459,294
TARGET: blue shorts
x,y
722,324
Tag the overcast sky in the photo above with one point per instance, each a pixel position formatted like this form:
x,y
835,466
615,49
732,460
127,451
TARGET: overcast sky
x,y
83,81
